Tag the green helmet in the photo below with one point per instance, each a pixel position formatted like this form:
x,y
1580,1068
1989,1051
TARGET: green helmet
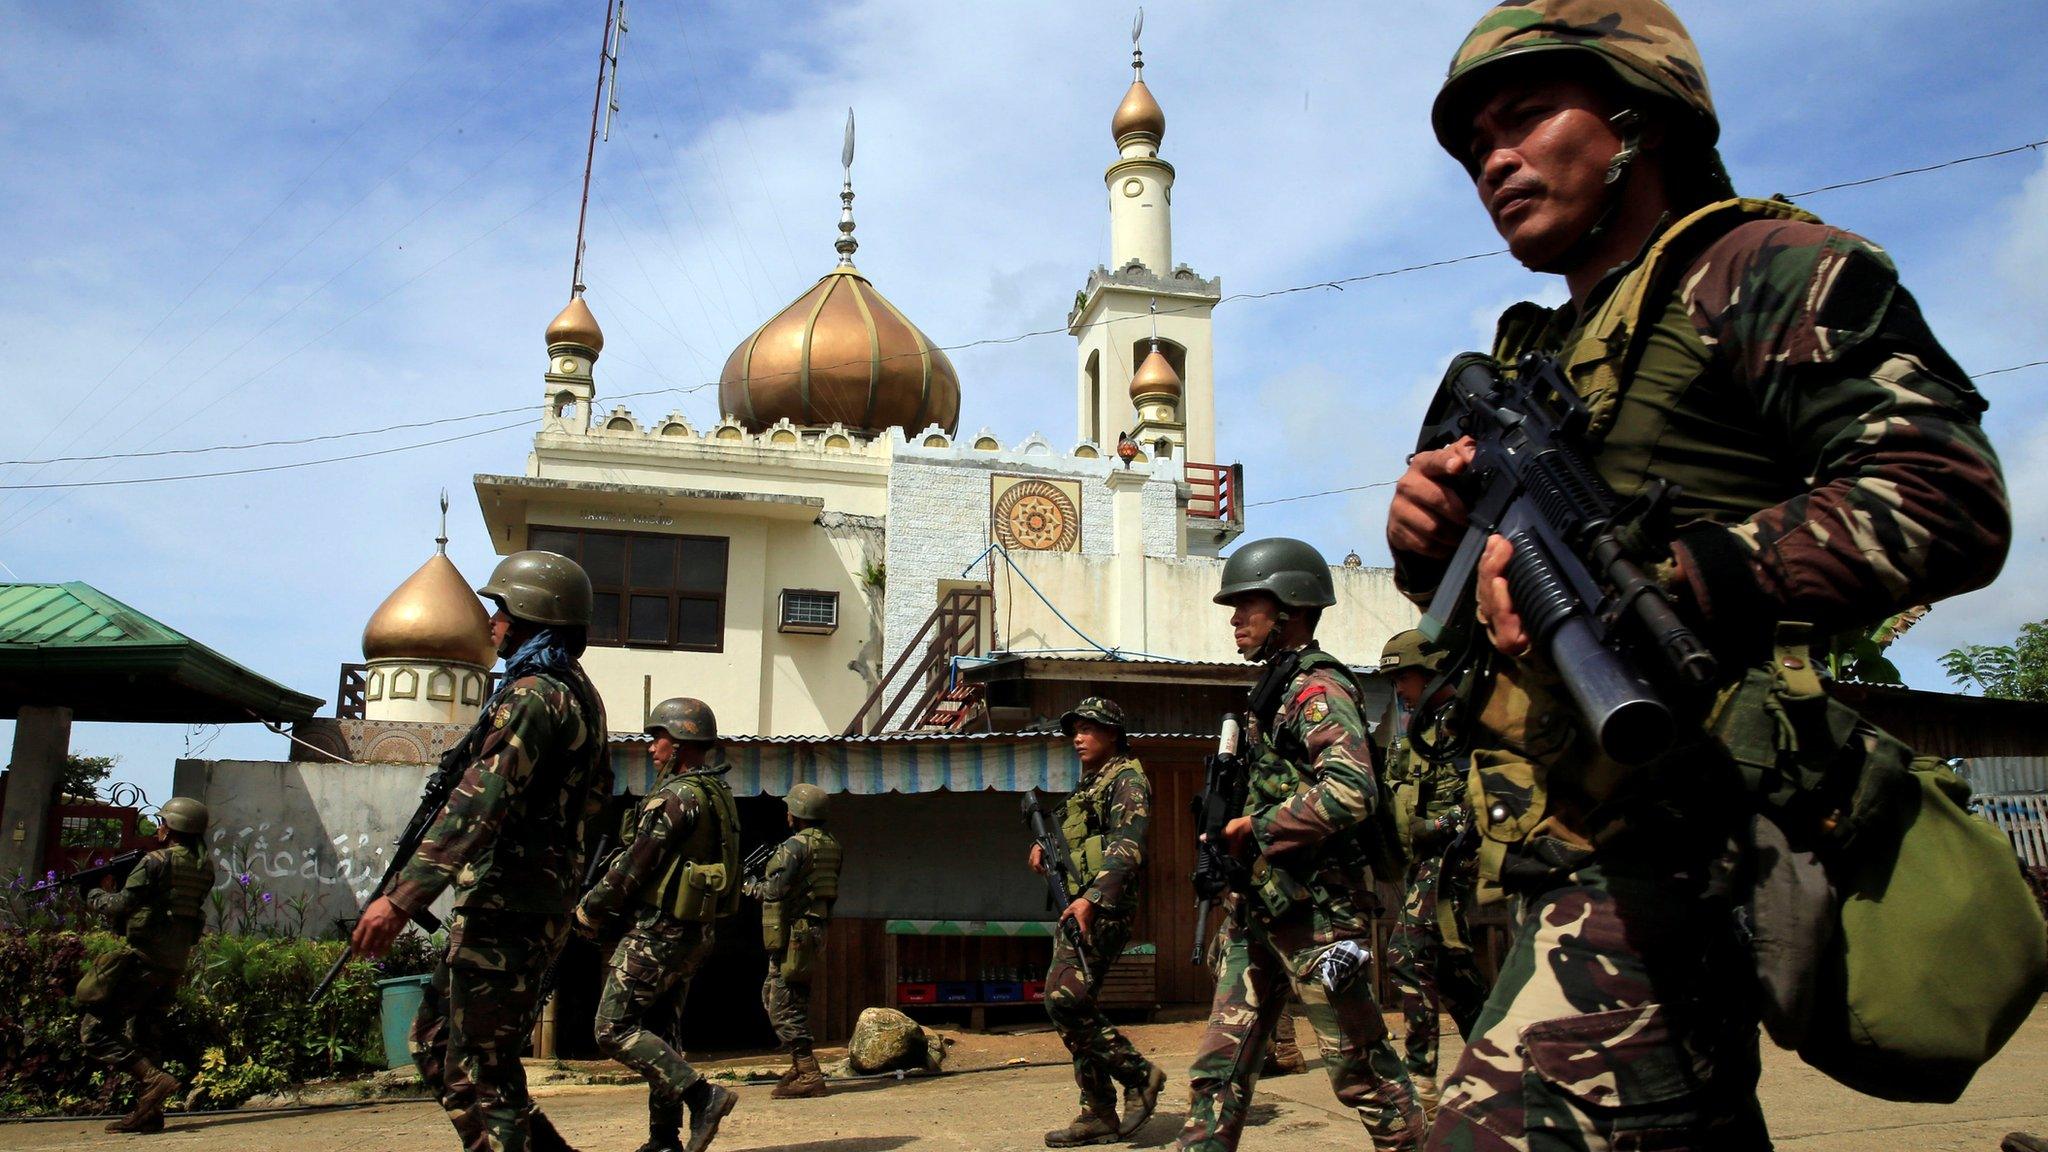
x,y
1410,650
1291,571
806,802
541,588
684,719
1099,709
1638,42
184,814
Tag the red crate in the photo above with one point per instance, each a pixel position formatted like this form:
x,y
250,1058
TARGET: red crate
x,y
1034,990
917,993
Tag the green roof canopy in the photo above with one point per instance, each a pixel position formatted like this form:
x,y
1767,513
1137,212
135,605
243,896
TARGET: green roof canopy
x,y
73,646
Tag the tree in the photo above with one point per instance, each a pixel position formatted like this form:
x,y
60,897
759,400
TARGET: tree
x,y
83,775
1858,657
2015,671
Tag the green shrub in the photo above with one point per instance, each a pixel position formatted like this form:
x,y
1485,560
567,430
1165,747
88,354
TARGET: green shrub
x,y
240,1025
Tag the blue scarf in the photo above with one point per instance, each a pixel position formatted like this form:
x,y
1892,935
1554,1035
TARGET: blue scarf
x,y
544,651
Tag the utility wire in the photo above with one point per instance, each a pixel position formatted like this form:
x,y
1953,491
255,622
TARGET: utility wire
x,y
266,467
1337,283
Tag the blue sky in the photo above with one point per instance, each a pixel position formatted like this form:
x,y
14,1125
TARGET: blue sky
x,y
239,223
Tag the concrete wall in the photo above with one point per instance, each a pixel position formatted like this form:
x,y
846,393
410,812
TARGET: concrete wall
x,y
1180,619
322,831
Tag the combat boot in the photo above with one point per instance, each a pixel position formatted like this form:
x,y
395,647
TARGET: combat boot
x,y
1095,1125
809,1081
2022,1142
1283,1057
662,1138
148,1113
1427,1094
706,1114
790,1075
541,1135
1140,1100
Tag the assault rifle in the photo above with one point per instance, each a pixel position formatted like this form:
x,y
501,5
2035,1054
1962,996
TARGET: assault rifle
x,y
1224,786
1052,848
755,866
1588,606
118,867
435,794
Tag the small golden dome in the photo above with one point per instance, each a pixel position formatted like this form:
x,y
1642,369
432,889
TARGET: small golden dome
x,y
1155,377
841,353
575,325
1138,113
433,616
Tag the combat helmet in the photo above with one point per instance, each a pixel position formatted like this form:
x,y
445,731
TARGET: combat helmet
x,y
806,802
1291,571
184,814
1410,651
1100,709
541,588
684,720
1638,42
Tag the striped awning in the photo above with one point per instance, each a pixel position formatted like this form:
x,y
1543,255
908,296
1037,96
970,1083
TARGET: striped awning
x,y
873,765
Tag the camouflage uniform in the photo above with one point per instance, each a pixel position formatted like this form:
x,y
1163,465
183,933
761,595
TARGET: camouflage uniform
x,y
1833,471
1312,787
1429,954
1104,822
159,912
509,842
797,889
687,826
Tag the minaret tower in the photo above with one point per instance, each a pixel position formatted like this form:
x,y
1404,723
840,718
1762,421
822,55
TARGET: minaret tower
x,y
574,341
1142,307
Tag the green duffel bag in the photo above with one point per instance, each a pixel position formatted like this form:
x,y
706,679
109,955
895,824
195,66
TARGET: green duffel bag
x,y
1939,952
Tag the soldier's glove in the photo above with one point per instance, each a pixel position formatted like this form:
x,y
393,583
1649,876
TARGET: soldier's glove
x,y
585,926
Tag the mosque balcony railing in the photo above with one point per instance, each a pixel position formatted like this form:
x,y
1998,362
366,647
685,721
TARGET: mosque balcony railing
x,y
348,695
1216,492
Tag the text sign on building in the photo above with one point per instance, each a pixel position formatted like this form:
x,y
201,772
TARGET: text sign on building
x,y
1032,514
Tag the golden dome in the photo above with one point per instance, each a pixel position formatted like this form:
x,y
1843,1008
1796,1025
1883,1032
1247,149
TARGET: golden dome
x,y
1155,377
1138,113
575,325
841,352
433,616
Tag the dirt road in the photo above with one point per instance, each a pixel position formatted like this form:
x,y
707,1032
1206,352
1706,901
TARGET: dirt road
x,y
1005,1109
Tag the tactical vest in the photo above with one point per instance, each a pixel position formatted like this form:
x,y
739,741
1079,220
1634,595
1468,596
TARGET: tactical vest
x,y
1084,820
534,861
173,914
811,895
701,882
1638,361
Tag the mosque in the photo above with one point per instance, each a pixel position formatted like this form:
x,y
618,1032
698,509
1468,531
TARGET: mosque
x,y
874,601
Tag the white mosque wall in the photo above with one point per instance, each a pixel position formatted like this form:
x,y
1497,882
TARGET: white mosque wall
x,y
423,691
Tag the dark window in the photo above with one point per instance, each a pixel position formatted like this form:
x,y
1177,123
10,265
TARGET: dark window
x,y
650,591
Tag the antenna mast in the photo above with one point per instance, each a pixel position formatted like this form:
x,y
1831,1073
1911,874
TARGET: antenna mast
x,y
607,68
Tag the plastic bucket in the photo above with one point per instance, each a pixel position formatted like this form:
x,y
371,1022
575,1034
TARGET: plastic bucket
x,y
401,1002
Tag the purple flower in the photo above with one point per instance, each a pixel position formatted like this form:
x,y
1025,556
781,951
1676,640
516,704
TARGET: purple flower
x,y
50,875
266,897
243,879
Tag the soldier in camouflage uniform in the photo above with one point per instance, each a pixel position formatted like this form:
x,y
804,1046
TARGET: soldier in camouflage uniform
x,y
1104,825
1429,958
510,842
797,888
1832,470
676,875
1310,811
159,913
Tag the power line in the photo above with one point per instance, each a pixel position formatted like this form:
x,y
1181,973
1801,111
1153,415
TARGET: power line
x,y
267,467
1324,492
2028,147
2011,368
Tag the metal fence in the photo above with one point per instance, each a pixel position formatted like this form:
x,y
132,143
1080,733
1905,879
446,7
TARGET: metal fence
x,y
2024,820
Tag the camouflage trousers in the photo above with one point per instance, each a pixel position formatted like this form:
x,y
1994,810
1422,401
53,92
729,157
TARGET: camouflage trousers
x,y
125,1023
1259,964
474,1019
1620,1020
1429,973
642,1002
1103,1056
788,1003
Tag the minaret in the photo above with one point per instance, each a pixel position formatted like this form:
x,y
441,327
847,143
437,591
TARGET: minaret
x,y
1141,306
574,341
428,646
1156,391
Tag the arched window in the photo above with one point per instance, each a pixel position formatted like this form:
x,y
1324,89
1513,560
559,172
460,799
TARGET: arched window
x,y
1092,429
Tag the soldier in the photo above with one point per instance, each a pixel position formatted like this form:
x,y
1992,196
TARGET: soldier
x,y
1103,824
1305,923
1429,958
159,913
510,842
1830,468
676,875
797,888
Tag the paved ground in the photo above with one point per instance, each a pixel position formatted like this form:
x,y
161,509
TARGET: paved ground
x,y
1006,1107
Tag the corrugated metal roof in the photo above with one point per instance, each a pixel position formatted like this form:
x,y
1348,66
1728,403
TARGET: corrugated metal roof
x,y
54,615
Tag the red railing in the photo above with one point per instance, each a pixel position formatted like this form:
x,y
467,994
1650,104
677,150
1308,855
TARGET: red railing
x,y
958,625
1216,491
